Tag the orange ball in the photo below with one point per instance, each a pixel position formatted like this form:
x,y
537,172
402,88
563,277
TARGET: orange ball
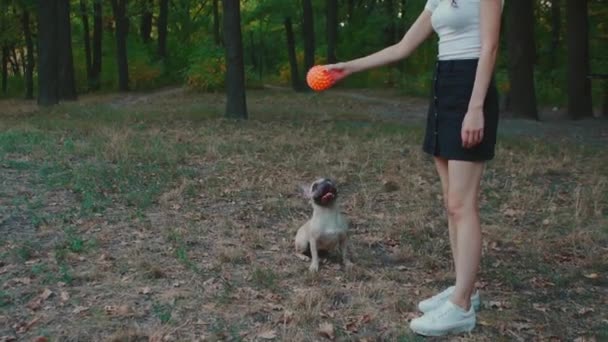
x,y
319,78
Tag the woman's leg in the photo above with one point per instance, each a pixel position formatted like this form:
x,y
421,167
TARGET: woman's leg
x,y
441,165
463,209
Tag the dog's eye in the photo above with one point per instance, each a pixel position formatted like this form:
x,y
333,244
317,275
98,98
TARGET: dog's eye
x,y
315,186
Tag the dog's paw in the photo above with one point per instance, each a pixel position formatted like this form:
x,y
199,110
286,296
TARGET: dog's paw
x,y
303,257
314,268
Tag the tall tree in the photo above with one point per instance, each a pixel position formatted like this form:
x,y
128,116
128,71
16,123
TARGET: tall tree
x,y
29,63
556,28
309,34
65,59
291,52
120,16
146,20
579,87
216,23
95,81
236,104
4,47
522,54
5,58
84,13
163,18
47,53
332,30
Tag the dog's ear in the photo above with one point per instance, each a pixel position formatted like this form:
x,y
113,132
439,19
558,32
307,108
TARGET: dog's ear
x,y
305,191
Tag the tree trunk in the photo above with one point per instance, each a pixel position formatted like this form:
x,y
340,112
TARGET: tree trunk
x,y
4,48
293,61
521,52
309,34
87,39
390,27
65,60
5,52
146,21
15,62
556,27
236,104
579,87
119,7
332,30
95,81
163,18
29,64
47,53
216,23
605,105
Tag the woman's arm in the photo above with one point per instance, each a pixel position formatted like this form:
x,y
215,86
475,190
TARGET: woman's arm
x,y
490,13
417,33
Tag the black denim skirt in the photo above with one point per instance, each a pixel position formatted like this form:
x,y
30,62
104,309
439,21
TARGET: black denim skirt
x,y
450,94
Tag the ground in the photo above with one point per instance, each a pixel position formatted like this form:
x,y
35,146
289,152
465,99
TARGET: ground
x,y
149,217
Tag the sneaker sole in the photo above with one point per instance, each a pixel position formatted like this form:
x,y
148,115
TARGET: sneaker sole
x,y
453,331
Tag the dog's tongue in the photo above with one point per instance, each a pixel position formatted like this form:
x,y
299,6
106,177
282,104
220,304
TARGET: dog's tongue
x,y
328,196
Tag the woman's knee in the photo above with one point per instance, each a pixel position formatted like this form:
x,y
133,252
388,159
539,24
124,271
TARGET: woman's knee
x,y
459,206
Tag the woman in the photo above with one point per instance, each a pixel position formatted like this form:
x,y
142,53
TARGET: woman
x,y
460,135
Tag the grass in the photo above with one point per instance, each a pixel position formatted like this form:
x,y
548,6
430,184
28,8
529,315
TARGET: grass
x,y
160,218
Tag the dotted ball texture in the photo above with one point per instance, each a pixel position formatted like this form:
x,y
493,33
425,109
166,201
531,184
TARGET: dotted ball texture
x,y
319,78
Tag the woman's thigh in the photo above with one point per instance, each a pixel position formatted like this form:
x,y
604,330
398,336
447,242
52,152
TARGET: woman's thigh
x,y
464,178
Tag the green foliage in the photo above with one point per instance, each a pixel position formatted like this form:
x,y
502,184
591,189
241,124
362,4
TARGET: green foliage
x,y
207,68
195,61
162,312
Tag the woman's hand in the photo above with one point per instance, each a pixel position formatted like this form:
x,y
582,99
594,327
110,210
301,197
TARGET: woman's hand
x,y
472,128
340,70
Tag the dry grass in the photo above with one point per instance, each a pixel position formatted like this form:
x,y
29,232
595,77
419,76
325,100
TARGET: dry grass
x,y
157,221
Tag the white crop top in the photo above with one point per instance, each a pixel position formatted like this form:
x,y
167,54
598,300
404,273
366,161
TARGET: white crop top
x,y
457,27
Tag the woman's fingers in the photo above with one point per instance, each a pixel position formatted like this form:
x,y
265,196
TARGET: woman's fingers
x,y
466,136
471,138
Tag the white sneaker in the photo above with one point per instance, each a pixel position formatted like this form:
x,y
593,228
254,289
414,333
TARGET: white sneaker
x,y
448,318
434,302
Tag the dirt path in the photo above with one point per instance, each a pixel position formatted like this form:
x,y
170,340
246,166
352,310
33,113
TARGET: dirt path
x,y
383,104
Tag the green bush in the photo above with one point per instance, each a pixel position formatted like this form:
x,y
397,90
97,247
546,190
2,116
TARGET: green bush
x,y
206,69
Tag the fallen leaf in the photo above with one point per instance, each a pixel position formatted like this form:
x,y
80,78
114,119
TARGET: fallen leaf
x,y
41,339
8,338
5,269
327,330
36,302
276,307
24,327
585,339
122,310
584,311
410,316
64,296
591,276
540,307
268,335
79,309
286,317
496,305
146,290
46,294
23,281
